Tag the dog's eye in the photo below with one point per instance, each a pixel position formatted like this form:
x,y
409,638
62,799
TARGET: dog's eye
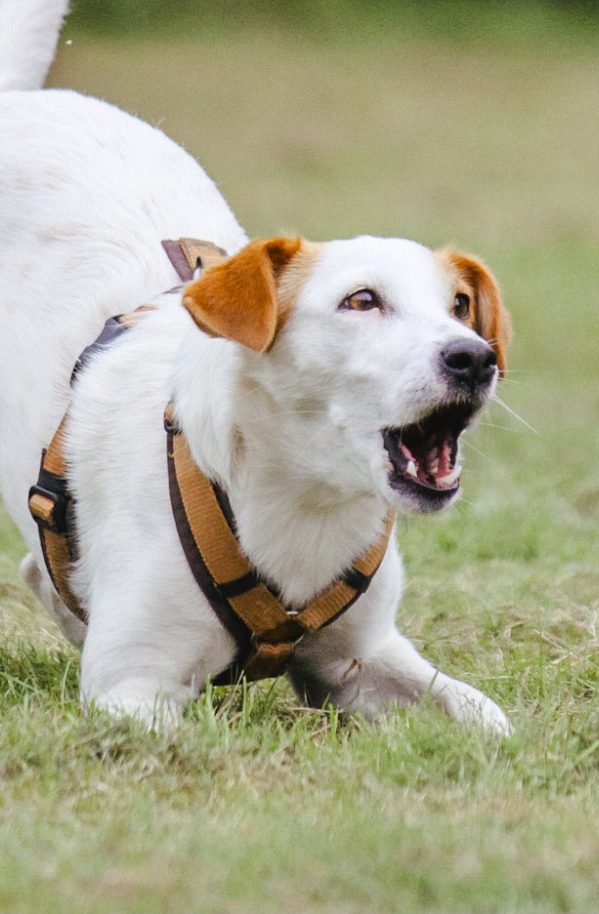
x,y
461,306
362,300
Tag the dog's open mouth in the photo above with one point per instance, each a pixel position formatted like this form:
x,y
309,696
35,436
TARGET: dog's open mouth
x,y
424,456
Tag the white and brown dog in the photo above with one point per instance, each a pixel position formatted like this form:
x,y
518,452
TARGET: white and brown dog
x,y
333,384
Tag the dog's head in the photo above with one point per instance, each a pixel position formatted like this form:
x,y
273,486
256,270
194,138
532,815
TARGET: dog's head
x,y
372,354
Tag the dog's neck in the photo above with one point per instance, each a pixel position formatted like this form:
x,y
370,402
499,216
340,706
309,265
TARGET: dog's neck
x,y
299,528
300,535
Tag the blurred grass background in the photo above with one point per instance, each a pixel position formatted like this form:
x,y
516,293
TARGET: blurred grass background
x,y
471,123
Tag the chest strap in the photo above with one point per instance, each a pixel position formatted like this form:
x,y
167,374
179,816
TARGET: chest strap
x,y
265,630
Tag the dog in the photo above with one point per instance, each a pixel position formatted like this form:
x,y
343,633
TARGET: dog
x,y
321,385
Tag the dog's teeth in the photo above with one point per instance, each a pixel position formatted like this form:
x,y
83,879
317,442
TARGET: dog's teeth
x,y
432,461
452,477
411,469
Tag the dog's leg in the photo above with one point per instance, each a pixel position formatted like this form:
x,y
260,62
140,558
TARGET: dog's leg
x,y
146,696
145,657
38,581
148,700
394,673
133,675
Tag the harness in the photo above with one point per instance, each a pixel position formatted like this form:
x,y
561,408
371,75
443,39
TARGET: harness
x,y
265,630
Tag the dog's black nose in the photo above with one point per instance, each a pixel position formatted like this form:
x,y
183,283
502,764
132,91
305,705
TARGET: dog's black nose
x,y
470,362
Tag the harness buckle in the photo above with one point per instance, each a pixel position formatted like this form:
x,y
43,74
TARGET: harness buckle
x,y
268,660
48,508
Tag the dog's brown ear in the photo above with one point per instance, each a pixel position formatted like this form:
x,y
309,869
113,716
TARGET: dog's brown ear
x,y
238,298
488,317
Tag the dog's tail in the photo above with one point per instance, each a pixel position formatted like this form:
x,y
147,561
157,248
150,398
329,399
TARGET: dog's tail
x,y
29,31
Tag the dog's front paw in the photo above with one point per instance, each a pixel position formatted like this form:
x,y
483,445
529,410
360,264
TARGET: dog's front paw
x,y
465,703
155,710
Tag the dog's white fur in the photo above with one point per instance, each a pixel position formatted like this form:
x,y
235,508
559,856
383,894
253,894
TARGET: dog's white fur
x,y
86,194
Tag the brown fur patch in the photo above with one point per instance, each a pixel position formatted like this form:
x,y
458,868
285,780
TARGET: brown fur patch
x,y
294,277
489,318
238,299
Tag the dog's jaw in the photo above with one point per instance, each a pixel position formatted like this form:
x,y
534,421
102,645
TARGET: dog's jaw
x,y
422,459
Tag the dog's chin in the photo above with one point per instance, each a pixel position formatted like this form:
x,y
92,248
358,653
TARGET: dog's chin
x,y
411,498
422,459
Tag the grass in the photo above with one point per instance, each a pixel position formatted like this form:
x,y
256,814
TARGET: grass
x,y
255,804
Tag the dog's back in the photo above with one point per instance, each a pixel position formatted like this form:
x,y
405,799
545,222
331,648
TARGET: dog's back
x,y
87,194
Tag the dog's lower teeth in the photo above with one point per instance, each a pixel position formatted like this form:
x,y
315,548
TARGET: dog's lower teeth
x,y
452,477
426,453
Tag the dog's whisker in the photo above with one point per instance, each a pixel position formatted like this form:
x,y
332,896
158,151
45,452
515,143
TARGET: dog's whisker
x,y
515,382
503,428
469,445
497,399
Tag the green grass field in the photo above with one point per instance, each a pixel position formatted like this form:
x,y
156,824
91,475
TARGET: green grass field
x,y
486,137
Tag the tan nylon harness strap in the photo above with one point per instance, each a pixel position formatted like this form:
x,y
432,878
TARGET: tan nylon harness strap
x,y
265,635
49,504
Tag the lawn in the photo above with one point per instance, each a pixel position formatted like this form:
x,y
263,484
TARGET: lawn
x,y
485,136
